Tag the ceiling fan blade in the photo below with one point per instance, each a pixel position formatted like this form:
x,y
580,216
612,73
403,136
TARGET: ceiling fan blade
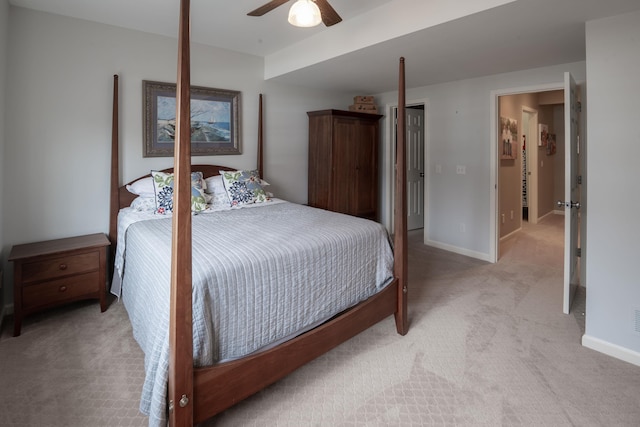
x,y
267,7
329,15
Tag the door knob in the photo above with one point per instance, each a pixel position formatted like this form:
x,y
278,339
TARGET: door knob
x,y
421,174
562,204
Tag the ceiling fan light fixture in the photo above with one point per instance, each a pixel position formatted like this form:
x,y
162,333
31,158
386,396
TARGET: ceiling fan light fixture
x,y
304,13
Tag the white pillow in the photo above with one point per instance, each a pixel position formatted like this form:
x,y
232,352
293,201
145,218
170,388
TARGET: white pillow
x,y
144,204
213,184
215,187
143,187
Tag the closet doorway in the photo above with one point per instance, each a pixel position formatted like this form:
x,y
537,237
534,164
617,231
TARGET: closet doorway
x,y
529,161
416,161
415,167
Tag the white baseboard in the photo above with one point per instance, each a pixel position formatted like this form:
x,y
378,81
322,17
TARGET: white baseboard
x,y
513,233
458,250
612,350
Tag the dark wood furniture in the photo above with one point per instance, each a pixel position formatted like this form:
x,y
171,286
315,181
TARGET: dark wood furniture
x,y
196,394
343,162
55,272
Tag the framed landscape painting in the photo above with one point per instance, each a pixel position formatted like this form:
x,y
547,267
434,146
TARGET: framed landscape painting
x,y
215,120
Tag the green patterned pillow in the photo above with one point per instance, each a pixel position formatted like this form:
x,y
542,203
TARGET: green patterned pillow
x,y
243,187
163,187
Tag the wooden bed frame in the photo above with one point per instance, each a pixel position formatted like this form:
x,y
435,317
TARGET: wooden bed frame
x,y
196,394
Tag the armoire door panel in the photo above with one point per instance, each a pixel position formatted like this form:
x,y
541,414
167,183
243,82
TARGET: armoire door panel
x,y
343,162
342,190
320,161
366,171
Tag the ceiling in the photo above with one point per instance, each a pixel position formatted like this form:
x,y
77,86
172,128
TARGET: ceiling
x,y
441,42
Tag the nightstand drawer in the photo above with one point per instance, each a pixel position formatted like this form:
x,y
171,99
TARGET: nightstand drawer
x,y
58,267
55,272
60,290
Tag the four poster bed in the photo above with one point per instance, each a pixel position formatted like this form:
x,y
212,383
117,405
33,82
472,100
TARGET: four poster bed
x,y
249,300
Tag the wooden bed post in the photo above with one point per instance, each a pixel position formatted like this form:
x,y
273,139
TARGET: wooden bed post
x,y
260,140
180,329
400,212
114,202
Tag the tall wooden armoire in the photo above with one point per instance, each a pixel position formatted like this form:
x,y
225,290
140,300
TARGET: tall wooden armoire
x,y
343,162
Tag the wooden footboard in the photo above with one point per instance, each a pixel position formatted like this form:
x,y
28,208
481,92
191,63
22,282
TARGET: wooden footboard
x,y
220,387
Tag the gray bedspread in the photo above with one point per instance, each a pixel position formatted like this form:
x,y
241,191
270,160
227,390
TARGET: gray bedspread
x,y
260,276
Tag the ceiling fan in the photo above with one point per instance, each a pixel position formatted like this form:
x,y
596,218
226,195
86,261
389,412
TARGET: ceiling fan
x,y
327,13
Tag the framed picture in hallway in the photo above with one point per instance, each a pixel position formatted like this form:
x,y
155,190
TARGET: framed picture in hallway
x,y
551,144
508,139
543,132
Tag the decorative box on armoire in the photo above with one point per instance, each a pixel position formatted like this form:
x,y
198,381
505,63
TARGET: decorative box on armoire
x,y
343,162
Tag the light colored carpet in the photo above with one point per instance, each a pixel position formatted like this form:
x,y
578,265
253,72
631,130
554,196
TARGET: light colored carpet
x,y
488,345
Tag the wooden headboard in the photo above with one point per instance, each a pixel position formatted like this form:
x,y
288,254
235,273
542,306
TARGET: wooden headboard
x,y
125,197
122,198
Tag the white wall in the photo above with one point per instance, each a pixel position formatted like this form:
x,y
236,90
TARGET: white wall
x,y
613,150
58,110
458,133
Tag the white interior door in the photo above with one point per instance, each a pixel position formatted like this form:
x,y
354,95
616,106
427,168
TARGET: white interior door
x,y
571,192
415,168
530,116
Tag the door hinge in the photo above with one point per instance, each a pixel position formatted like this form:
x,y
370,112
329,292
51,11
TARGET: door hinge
x,y
579,252
579,179
579,107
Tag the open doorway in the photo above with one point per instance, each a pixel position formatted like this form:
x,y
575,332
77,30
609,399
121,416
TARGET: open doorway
x,y
529,161
570,144
531,168
416,161
415,166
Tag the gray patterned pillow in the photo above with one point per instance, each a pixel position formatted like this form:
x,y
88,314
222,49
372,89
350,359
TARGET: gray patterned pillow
x,y
243,187
163,186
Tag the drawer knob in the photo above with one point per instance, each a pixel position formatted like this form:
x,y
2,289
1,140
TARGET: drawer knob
x,y
62,288
63,266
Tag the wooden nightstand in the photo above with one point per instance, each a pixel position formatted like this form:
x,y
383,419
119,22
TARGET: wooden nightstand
x,y
55,272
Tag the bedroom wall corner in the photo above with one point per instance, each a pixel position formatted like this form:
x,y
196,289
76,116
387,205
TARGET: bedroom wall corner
x,y
4,41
